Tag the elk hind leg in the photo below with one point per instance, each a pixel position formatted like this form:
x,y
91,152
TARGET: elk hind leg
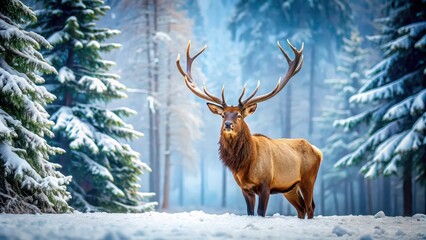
x,y
307,190
295,198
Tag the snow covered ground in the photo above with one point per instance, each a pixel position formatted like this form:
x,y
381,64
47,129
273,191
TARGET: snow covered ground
x,y
200,225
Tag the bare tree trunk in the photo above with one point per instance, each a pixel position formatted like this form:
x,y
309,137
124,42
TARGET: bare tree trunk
x,y
203,182
351,198
379,193
166,186
150,93
181,187
414,197
362,197
369,200
346,196
156,172
224,187
311,92
407,188
336,203
167,172
386,195
288,102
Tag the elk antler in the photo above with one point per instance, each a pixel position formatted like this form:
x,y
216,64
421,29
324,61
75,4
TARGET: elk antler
x,y
190,83
294,67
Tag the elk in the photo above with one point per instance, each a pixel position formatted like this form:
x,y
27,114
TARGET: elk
x,y
261,165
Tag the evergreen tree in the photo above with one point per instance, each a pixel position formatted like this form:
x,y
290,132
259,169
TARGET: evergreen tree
x,y
339,143
29,183
396,95
105,171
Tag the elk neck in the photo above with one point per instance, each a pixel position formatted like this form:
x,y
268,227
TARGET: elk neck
x,y
236,151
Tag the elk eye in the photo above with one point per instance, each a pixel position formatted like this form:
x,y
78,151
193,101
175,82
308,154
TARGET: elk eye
x,y
223,115
239,116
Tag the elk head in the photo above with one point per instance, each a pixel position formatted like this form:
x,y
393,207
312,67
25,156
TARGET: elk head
x,y
233,116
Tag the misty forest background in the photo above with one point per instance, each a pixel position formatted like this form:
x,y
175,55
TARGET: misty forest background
x,y
360,97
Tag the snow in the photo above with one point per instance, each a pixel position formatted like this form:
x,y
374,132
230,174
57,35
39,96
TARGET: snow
x,y
402,42
200,225
15,164
114,189
95,167
421,43
380,214
388,91
151,103
94,44
414,140
58,37
162,37
79,132
65,75
413,29
93,84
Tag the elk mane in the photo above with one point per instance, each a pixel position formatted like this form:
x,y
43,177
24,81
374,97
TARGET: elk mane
x,y
236,151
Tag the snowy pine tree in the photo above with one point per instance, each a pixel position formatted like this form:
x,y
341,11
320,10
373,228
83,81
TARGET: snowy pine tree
x,y
29,183
396,95
105,171
339,143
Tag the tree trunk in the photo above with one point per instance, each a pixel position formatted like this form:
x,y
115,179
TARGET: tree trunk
x,y
336,203
150,94
322,192
166,186
424,187
311,92
351,198
156,167
181,187
386,195
346,196
396,206
288,103
167,174
407,188
203,183
369,200
414,197
224,187
362,197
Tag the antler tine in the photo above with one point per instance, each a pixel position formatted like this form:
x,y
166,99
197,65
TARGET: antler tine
x,y
190,59
284,53
242,94
242,103
190,83
299,66
179,67
294,67
212,97
223,96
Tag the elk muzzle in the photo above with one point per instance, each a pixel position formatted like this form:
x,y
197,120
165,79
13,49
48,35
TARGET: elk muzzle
x,y
227,126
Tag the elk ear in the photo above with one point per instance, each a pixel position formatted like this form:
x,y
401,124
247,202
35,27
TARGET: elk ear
x,y
250,110
216,109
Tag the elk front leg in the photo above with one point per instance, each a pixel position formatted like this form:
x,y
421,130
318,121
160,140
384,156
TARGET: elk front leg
x,y
264,193
250,201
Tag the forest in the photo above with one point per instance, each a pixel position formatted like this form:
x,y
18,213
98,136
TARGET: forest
x,y
96,117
